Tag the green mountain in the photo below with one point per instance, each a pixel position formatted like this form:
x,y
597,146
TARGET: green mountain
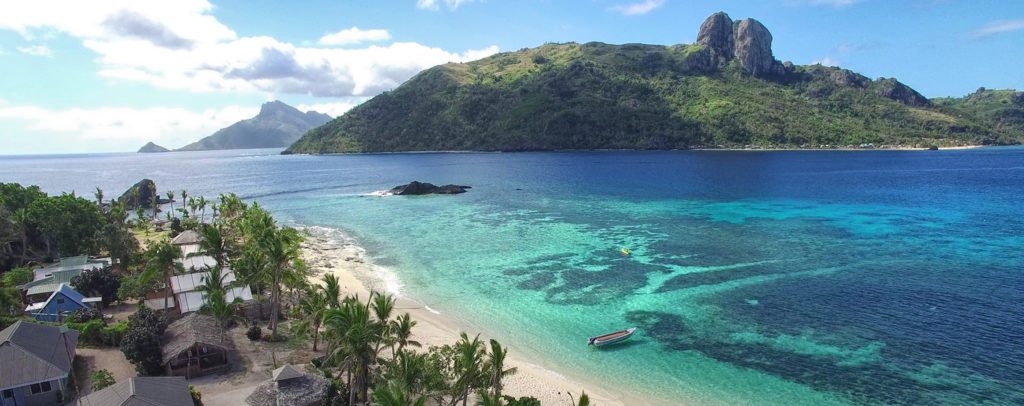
x,y
1001,109
726,90
150,147
277,125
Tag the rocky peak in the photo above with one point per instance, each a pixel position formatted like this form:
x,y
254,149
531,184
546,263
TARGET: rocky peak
x,y
747,41
277,107
900,92
716,33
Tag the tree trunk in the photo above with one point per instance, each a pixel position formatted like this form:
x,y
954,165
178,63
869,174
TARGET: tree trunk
x,y
275,302
167,293
351,388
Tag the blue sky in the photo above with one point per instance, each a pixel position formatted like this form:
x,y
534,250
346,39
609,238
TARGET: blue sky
x,y
109,75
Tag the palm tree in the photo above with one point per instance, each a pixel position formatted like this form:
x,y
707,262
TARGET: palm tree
x,y
401,330
161,258
170,198
383,305
99,197
487,399
309,314
201,203
394,394
282,249
584,400
410,369
224,311
353,340
495,367
468,366
332,290
213,243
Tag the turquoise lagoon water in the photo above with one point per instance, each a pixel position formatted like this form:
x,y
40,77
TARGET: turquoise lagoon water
x,y
756,278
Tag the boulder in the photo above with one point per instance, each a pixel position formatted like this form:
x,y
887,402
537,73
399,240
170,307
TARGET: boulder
x,y
753,45
716,33
423,188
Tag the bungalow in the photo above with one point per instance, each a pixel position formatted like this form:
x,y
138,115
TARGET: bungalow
x,y
61,303
148,390
191,252
195,345
190,298
36,362
46,280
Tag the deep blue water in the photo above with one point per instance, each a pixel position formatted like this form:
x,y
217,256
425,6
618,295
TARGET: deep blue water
x,y
756,277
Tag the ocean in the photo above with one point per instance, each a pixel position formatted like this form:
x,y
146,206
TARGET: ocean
x,y
791,278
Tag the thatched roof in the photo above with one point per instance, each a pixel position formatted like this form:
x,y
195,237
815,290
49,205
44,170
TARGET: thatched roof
x,y
285,373
192,329
186,237
301,390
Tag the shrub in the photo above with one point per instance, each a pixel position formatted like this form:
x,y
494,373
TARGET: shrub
x,y
84,314
98,282
197,398
523,401
16,276
141,341
254,333
96,334
101,379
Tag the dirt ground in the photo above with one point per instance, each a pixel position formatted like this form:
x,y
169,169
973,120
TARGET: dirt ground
x,y
253,362
111,359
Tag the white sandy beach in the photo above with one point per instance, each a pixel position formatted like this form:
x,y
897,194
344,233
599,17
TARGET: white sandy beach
x,y
329,253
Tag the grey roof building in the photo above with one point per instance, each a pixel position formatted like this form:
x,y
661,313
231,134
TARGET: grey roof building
x,y
42,356
290,386
142,391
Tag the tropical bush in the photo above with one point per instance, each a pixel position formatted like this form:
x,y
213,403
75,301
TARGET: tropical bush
x,y
100,379
141,341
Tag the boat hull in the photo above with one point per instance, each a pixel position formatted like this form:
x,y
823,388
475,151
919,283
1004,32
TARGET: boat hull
x,y
613,338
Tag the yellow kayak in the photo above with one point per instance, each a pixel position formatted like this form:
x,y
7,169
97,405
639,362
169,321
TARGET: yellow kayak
x,y
625,252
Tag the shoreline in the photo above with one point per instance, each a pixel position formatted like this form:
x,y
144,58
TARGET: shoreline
x,y
695,149
339,255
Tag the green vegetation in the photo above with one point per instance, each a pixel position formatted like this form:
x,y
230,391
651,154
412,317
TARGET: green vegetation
x,y
634,96
370,354
101,379
141,341
1000,109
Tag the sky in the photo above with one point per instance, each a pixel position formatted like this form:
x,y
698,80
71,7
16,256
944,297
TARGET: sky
x,y
110,75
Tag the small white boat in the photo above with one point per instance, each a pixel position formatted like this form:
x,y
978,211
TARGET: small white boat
x,y
611,338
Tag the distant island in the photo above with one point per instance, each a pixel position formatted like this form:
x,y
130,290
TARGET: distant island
x,y
277,125
150,147
725,91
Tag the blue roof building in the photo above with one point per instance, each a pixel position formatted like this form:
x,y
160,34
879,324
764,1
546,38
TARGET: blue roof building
x,y
61,303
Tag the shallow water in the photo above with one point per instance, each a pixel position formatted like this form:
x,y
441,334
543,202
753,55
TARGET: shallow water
x,y
756,277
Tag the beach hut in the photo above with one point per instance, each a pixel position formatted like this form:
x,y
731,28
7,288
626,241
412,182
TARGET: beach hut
x,y
190,298
288,385
148,390
194,346
60,304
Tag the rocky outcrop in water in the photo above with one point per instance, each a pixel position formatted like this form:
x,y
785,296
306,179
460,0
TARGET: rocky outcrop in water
x,y
151,147
142,195
423,188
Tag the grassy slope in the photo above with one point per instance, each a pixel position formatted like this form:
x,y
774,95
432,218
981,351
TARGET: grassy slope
x,y
597,96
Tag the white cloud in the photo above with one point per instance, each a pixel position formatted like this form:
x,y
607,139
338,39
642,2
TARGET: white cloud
x,y
436,4
635,9
180,45
998,27
354,35
122,128
826,61
331,109
36,50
